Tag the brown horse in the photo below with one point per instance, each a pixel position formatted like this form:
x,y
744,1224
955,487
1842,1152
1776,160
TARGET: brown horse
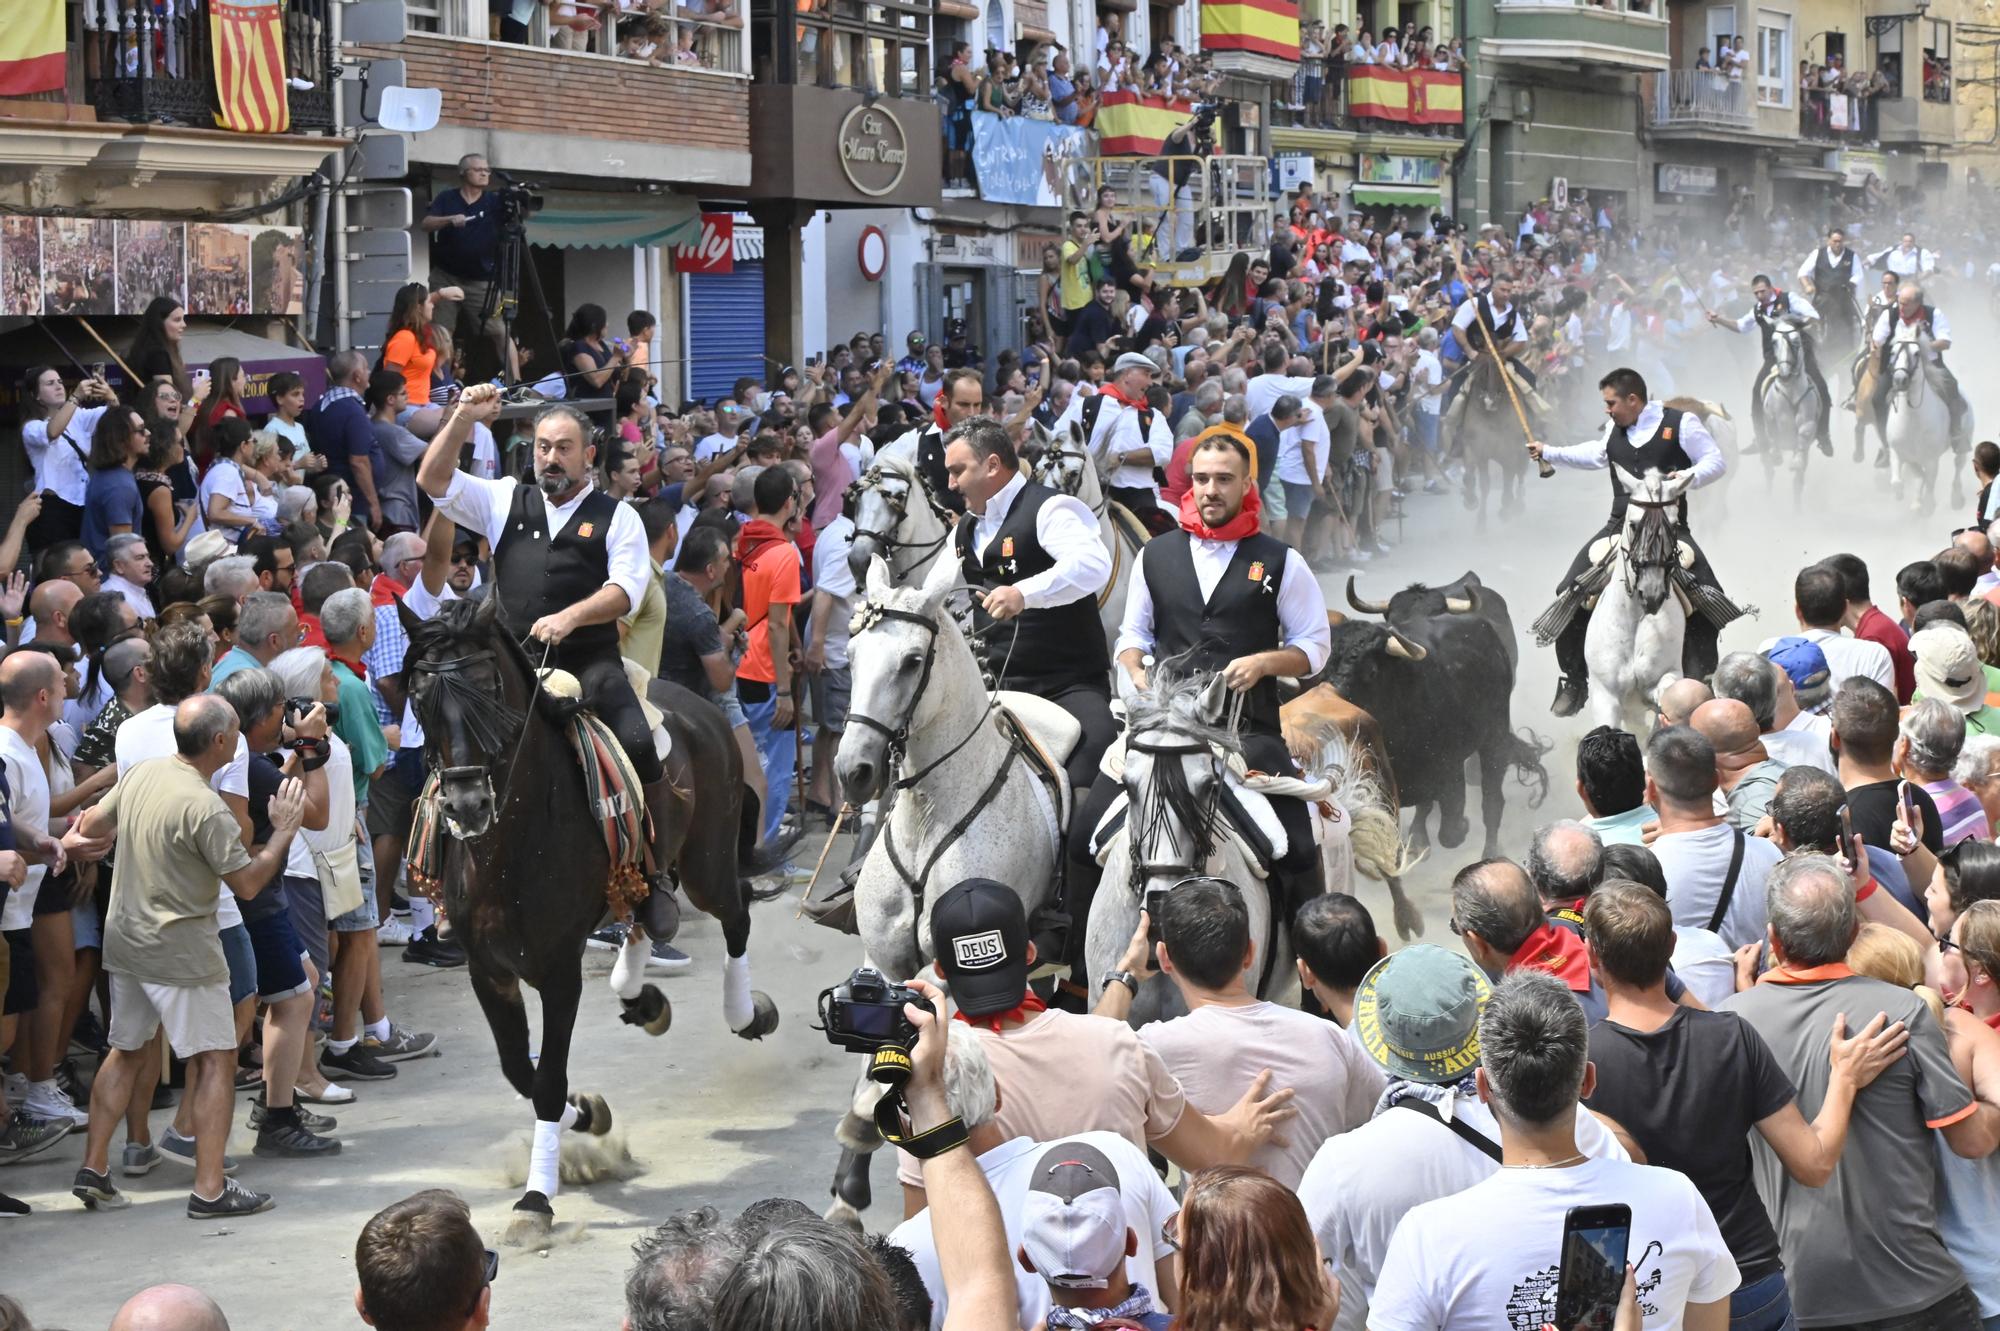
x,y
525,867
1489,435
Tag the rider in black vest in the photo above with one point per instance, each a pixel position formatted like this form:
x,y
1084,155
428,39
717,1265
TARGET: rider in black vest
x,y
958,401
568,562
1132,437
1831,275
1640,436
1911,312
1771,306
1261,618
1037,612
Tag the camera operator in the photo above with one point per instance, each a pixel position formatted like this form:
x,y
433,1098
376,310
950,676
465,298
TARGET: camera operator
x,y
1172,181
464,227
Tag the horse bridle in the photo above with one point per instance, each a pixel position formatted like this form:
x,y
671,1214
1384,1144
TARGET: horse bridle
x,y
457,665
899,504
898,737
1203,832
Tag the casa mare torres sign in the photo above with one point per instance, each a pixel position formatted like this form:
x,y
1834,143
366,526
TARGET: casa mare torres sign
x,y
874,151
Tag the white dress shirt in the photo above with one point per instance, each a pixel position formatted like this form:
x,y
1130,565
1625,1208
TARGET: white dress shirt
x,y
1802,309
1695,441
135,595
1067,530
483,506
1468,314
1263,391
1301,604
1118,433
1918,262
1849,259
1846,657
1890,324
58,467
1618,329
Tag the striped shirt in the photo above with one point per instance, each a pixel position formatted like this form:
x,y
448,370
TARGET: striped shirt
x,y
1959,810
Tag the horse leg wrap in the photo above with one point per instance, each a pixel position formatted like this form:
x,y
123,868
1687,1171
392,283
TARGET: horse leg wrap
x,y
628,972
544,1172
737,1007
571,1112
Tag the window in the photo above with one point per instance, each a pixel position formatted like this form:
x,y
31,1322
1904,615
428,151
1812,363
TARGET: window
x,y
1774,59
1937,59
423,15
1889,57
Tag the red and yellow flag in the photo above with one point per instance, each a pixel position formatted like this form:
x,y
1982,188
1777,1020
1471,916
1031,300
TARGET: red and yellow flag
x,y
249,43
1129,125
1262,27
1412,96
31,48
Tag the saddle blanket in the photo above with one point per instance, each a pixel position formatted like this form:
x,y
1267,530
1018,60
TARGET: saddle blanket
x,y
1699,598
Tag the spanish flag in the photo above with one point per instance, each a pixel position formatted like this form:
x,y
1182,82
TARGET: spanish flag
x,y
1411,96
1129,125
249,44
1262,27
31,48
1437,97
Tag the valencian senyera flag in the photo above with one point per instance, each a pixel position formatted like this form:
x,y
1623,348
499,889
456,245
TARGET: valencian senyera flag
x,y
249,43
31,47
1261,27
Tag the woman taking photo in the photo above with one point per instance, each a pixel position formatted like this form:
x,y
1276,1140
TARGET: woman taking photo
x,y
112,505
56,429
169,522
225,492
1248,1258
589,362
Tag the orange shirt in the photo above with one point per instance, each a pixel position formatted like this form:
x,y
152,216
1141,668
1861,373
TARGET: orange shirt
x,y
416,361
772,578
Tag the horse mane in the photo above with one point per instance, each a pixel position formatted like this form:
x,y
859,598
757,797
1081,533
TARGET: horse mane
x,y
1653,540
1174,703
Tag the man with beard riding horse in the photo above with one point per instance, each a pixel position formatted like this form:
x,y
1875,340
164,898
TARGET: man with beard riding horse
x,y
1640,436
568,561
1216,595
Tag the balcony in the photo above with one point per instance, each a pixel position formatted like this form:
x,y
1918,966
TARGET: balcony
x,y
1629,35
703,36
160,70
1699,99
1373,100
1914,121
1840,120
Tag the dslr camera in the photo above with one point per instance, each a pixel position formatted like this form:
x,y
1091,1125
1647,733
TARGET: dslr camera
x,y
296,708
865,1013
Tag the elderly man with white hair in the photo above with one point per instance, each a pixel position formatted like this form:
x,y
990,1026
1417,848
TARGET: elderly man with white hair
x,y
1978,770
131,566
1132,439
296,503
1911,318
1931,737
234,576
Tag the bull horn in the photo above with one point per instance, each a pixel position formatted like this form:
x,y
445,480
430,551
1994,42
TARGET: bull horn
x,y
1403,647
1463,605
1365,607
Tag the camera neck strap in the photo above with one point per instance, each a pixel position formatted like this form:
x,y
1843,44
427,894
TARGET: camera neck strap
x,y
892,1120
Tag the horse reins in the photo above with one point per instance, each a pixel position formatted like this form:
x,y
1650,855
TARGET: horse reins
x,y
455,666
899,504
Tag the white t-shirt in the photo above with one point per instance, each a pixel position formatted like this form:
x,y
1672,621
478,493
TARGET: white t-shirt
x,y
1488,1260
28,783
1009,1168
1362,1183
1696,863
711,444
832,576
1846,657
226,478
1217,1051
57,465
419,602
1293,441
150,735
1428,372
293,433
339,829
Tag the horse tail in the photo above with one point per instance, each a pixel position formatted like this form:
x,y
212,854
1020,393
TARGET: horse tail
x,y
1375,831
1525,751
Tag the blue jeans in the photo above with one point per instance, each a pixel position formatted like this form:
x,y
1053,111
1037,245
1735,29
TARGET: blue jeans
x,y
1763,1305
780,751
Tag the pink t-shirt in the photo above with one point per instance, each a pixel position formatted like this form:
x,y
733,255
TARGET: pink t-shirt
x,y
832,474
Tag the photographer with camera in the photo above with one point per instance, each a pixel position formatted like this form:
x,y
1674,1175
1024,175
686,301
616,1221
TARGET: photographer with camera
x,y
464,227
1172,180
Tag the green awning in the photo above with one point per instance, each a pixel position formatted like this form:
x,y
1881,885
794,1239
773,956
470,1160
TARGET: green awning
x,y
1398,196
578,219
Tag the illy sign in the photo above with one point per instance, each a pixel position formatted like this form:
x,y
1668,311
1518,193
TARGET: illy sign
x,y
873,150
715,252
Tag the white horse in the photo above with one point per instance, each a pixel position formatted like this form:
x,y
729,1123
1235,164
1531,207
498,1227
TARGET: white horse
x,y
1177,741
1065,465
1918,427
1633,644
1791,405
897,518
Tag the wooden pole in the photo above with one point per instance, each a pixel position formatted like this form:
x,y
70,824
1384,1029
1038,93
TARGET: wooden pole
x,y
838,819
1546,467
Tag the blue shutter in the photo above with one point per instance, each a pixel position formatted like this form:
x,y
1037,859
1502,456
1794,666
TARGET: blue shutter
x,y
725,329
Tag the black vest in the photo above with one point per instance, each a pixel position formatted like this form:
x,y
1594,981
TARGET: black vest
x,y
1827,277
1239,619
1781,305
1663,452
930,465
1503,332
1050,649
538,573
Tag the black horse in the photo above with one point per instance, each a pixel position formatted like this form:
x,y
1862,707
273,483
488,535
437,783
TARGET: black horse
x,y
525,869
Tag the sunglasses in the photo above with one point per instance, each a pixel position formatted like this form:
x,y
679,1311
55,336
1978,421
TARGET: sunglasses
x,y
464,559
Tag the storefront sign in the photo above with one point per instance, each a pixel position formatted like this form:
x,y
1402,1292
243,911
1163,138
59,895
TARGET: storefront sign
x,y
969,247
714,251
1026,162
873,150
1672,178
1392,169
1857,164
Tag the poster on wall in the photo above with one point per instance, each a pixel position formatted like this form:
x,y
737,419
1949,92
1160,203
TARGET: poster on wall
x,y
78,276
218,269
1026,162
277,278
20,266
152,262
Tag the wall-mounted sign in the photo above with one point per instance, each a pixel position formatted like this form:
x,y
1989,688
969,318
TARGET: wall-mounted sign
x,y
1394,169
873,150
872,253
1559,193
714,251
1673,178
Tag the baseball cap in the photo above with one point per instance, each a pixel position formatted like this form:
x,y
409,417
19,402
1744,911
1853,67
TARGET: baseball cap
x,y
980,934
1417,1014
1805,665
1948,667
1132,360
1073,1224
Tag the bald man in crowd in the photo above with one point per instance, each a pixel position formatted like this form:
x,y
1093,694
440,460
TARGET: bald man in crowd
x,y
1679,699
1745,772
170,1308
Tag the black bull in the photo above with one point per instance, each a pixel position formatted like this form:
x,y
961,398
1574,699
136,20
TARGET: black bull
x,y
1438,677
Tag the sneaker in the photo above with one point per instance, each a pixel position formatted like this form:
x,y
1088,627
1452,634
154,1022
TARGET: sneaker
x,y
17,1087
11,1207
403,1045
180,1150
88,1037
427,949
97,1192
74,1086
235,1200
292,1140
612,936
249,1079
311,1122
22,1136
357,1064
45,1099
139,1159
334,1094
395,933
668,959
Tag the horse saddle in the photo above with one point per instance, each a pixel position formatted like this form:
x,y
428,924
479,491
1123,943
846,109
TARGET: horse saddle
x,y
1056,731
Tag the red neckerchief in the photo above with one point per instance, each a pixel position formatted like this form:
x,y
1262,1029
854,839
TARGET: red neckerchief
x,y
1030,1005
1912,320
938,414
756,534
385,590
312,634
1559,952
1242,525
360,670
1111,391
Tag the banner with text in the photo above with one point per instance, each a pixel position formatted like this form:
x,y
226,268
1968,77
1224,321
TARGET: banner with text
x,y
1025,162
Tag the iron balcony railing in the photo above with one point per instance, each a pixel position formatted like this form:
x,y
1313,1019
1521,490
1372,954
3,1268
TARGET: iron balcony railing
x,y
149,66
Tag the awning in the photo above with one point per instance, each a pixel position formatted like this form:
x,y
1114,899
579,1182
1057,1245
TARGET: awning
x,y
1397,196
1787,171
578,219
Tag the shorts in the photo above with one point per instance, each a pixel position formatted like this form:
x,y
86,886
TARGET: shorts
x,y
732,708
53,898
1315,87
1298,498
280,972
23,992
831,691
1424,430
1273,495
392,796
1385,471
198,1018
308,902
241,954
86,926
